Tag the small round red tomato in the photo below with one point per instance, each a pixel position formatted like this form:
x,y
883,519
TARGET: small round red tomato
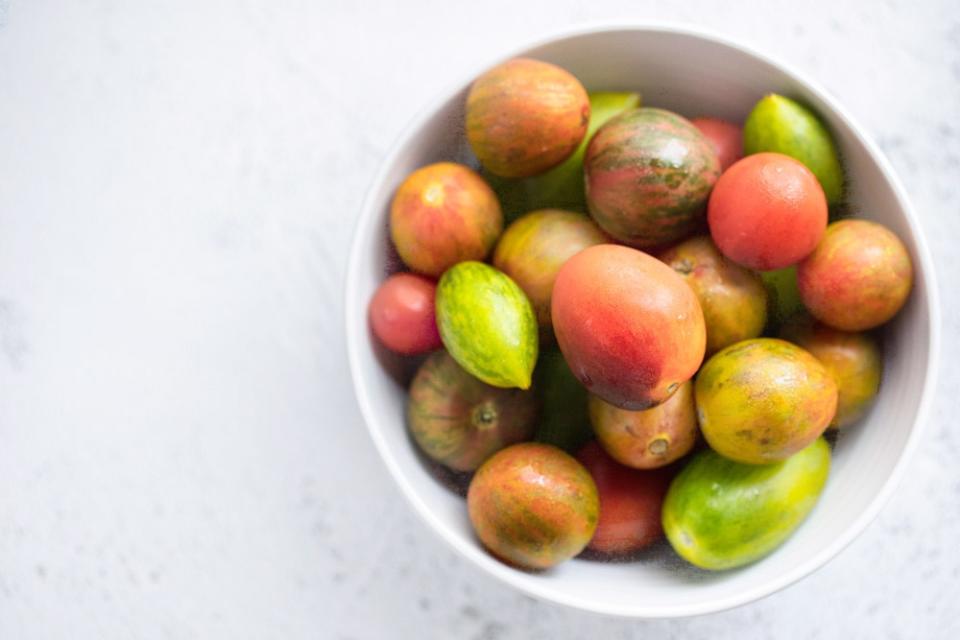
x,y
630,501
402,314
767,212
726,137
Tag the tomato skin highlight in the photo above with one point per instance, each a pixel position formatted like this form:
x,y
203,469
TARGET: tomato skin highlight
x,y
767,212
630,502
402,314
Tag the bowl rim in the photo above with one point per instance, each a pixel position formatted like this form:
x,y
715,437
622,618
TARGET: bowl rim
x,y
472,550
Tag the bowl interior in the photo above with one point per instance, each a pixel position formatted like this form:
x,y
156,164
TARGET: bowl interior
x,y
694,75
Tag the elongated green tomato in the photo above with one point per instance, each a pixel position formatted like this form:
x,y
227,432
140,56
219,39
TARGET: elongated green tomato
x,y
720,514
562,186
784,126
487,324
459,421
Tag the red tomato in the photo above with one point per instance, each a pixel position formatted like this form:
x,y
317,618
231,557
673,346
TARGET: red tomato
x,y
727,139
767,212
402,314
630,501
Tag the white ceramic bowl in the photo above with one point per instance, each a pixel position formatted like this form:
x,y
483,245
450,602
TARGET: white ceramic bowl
x,y
693,73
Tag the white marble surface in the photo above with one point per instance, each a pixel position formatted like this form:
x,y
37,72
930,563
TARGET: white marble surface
x,y
180,452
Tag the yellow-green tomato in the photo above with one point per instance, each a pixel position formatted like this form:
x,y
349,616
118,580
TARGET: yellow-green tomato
x,y
762,400
487,324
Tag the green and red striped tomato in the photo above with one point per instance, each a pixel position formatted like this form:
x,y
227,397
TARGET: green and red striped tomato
x,y
648,175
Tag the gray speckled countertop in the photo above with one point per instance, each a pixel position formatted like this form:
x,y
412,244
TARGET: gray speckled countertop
x,y
180,452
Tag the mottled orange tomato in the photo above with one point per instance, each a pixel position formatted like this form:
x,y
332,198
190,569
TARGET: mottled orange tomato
x,y
853,359
533,505
858,277
733,299
526,116
767,211
650,438
630,502
443,214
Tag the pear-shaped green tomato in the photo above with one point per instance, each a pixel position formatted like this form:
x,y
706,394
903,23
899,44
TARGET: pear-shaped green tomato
x,y
784,126
721,514
487,324
562,186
